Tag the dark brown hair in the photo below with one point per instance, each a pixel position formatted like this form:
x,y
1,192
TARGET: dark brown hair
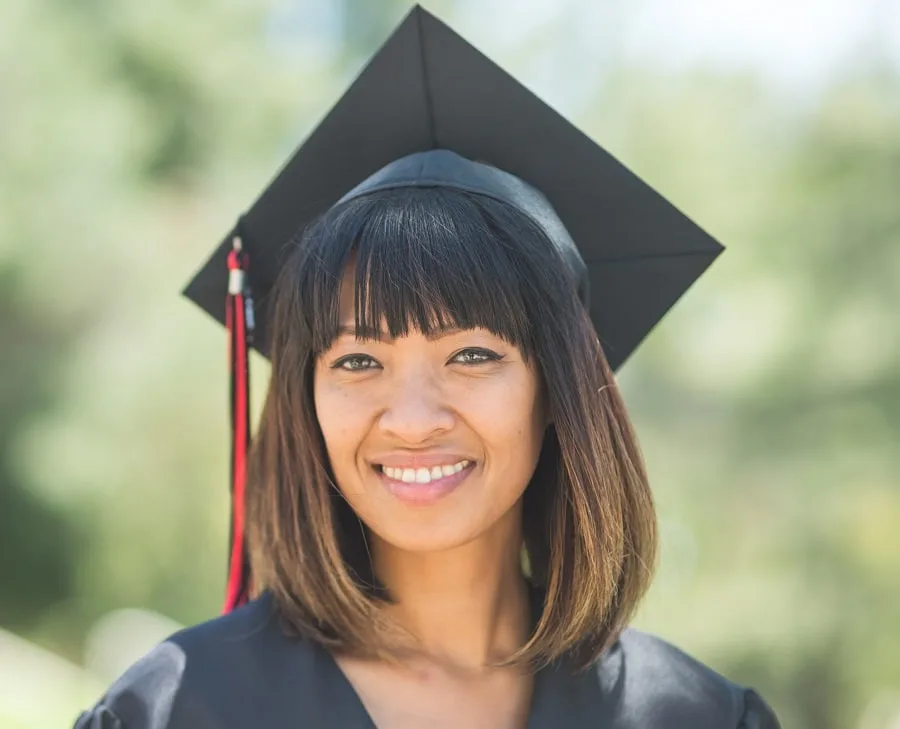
x,y
428,259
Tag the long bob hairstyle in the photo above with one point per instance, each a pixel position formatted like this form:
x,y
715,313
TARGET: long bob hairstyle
x,y
427,259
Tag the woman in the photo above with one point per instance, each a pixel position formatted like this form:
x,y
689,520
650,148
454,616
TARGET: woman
x,y
448,519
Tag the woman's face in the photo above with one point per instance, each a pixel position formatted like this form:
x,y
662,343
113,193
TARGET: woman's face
x,y
432,441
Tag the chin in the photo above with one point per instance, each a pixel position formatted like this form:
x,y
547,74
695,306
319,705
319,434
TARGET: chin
x,y
444,530
427,537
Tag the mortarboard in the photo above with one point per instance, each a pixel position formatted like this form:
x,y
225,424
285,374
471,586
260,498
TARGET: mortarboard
x,y
430,109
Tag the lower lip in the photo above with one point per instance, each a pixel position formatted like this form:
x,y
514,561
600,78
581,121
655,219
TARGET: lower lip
x,y
423,494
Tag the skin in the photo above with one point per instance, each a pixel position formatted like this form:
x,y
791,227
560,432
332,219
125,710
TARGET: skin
x,y
452,563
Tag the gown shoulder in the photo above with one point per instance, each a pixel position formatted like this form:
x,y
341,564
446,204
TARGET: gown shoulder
x,y
223,673
648,682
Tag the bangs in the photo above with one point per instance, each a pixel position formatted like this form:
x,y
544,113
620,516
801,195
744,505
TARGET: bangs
x,y
426,259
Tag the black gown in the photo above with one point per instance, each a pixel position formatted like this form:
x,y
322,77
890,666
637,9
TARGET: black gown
x,y
240,671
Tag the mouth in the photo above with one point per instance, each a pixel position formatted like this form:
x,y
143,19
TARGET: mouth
x,y
423,475
423,486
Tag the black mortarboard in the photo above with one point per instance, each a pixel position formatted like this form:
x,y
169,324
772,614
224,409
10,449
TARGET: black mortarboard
x,y
428,89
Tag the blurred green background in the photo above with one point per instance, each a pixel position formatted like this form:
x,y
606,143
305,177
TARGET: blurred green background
x,y
768,401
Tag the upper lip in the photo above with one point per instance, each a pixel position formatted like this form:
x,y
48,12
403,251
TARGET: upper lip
x,y
418,460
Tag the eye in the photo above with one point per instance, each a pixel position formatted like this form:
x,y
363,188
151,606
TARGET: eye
x,y
476,356
355,363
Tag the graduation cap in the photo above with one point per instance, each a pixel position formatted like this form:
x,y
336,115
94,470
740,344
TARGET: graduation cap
x,y
430,109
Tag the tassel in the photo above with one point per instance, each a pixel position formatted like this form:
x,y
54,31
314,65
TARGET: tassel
x,y
239,323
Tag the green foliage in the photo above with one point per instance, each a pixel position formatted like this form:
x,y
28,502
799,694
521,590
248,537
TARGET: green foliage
x,y
35,538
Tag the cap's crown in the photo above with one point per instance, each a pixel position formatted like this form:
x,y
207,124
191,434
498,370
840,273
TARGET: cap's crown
x,y
445,168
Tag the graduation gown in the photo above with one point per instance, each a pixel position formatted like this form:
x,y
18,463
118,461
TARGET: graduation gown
x,y
240,671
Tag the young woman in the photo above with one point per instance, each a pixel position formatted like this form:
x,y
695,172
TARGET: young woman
x,y
448,518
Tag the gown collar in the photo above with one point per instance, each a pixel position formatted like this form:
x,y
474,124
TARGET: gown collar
x,y
561,696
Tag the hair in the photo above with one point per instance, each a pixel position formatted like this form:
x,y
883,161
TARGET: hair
x,y
426,259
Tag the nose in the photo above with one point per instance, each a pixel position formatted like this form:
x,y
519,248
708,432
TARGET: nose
x,y
416,410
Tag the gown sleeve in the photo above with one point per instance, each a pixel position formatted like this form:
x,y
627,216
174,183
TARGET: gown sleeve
x,y
757,713
144,697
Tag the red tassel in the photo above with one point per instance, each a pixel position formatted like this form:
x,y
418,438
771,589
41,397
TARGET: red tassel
x,y
239,323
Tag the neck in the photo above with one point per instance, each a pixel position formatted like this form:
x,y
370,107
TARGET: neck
x,y
466,607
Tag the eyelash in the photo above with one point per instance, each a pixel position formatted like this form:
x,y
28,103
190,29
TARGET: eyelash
x,y
486,355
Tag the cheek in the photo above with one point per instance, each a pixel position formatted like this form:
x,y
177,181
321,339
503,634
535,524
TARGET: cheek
x,y
507,419
342,421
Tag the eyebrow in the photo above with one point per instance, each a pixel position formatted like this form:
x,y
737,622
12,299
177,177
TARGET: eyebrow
x,y
350,331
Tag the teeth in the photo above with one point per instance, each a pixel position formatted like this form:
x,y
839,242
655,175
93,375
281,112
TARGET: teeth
x,y
423,475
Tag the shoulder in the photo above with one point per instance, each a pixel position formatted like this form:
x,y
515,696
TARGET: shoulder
x,y
211,675
648,682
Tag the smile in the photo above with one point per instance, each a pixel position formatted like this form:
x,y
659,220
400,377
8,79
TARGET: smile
x,y
423,475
